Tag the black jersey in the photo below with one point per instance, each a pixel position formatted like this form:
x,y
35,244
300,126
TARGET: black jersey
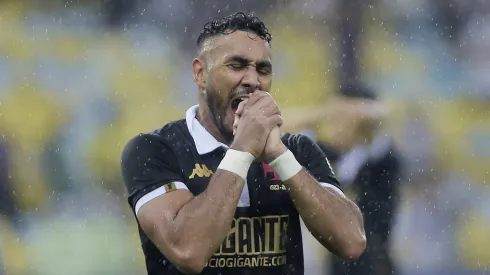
x,y
265,237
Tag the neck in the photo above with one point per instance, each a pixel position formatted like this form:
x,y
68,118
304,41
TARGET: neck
x,y
204,117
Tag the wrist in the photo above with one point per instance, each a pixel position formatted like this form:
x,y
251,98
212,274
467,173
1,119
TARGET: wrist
x,y
286,166
274,154
236,146
237,162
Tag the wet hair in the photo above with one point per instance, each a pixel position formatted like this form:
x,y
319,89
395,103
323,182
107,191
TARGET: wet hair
x,y
235,22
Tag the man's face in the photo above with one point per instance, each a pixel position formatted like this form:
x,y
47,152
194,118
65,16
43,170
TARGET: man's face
x,y
238,64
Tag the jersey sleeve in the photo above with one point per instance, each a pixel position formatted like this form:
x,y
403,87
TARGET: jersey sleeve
x,y
311,157
149,170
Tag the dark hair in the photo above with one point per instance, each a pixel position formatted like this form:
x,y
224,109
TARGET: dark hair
x,y
235,22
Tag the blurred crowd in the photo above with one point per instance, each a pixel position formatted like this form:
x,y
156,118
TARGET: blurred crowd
x,y
79,78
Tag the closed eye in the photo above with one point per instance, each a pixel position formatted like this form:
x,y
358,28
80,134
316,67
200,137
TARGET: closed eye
x,y
264,68
264,71
236,66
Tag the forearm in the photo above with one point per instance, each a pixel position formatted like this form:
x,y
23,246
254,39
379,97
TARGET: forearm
x,y
203,223
334,220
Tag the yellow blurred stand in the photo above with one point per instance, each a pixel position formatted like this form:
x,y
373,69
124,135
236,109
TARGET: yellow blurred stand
x,y
12,250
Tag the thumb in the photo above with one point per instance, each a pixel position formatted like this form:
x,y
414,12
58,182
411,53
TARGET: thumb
x,y
239,110
275,133
235,124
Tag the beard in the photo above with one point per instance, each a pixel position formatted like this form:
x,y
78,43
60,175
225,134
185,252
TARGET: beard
x,y
218,110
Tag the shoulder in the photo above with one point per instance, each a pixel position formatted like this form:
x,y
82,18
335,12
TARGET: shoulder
x,y
298,143
166,137
310,156
303,148
173,131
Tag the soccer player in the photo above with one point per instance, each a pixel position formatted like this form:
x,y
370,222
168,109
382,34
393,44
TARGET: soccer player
x,y
211,201
371,164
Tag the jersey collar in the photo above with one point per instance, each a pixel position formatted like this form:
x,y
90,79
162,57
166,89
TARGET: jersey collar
x,y
205,142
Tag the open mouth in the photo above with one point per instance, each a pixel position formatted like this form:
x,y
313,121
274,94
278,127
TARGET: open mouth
x,y
236,102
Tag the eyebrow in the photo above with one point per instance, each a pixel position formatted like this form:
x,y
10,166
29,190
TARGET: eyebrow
x,y
243,60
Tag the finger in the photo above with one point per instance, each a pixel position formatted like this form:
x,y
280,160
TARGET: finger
x,y
260,92
242,104
271,109
274,121
281,122
254,105
254,97
235,122
268,107
265,102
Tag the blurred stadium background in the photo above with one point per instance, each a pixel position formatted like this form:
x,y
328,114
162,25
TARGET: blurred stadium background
x,y
79,78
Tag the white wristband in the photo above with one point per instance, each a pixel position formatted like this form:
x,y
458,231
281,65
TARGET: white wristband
x,y
237,162
286,166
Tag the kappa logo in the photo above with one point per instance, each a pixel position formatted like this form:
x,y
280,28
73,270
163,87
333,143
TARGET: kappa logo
x,y
201,170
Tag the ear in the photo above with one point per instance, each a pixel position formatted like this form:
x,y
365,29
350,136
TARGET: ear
x,y
199,72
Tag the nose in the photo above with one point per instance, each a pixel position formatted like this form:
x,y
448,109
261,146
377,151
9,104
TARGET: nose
x,y
251,79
